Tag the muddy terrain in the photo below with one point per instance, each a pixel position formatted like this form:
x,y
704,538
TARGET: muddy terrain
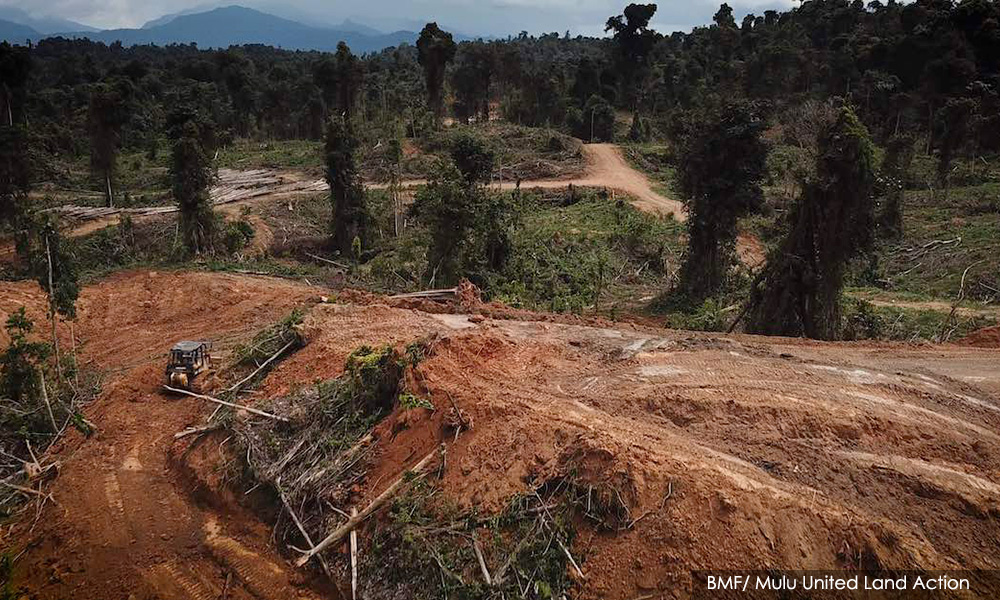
x,y
724,451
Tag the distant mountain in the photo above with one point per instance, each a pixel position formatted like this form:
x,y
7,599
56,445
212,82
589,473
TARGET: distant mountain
x,y
349,25
15,33
237,25
40,24
170,17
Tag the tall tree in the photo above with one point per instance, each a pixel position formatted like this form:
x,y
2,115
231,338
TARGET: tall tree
x,y
350,209
951,132
435,49
340,78
192,173
350,76
15,180
798,292
108,114
892,185
471,79
15,66
722,166
633,40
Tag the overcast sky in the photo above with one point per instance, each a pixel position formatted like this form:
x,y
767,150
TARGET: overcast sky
x,y
473,17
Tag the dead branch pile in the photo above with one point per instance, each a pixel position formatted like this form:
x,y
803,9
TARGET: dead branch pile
x,y
231,186
314,461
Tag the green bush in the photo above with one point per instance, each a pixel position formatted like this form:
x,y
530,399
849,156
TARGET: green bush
x,y
860,320
237,235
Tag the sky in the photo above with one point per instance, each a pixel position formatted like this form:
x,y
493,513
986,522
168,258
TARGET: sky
x,y
471,17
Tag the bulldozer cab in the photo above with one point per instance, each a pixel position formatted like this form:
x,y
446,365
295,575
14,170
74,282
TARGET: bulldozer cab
x,y
188,359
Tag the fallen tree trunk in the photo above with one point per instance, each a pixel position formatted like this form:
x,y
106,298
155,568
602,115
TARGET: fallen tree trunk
x,y
352,523
261,368
444,294
224,403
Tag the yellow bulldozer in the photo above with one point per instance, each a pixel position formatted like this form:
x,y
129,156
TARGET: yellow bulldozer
x,y
188,365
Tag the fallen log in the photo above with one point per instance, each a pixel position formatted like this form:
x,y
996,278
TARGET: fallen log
x,y
352,523
327,260
445,294
196,431
224,403
261,368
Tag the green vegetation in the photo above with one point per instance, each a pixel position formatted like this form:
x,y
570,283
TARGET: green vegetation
x,y
941,240
657,161
798,292
721,169
156,244
573,251
864,320
426,546
245,154
593,253
41,399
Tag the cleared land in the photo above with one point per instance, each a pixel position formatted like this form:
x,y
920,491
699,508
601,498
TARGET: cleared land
x,y
736,451
605,168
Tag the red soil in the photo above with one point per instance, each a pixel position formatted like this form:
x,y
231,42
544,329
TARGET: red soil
x,y
736,451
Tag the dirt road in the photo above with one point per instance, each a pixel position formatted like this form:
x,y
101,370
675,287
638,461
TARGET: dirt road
x,y
606,167
235,189
737,451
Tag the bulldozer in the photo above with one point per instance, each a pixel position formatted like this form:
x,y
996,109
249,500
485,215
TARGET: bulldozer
x,y
188,364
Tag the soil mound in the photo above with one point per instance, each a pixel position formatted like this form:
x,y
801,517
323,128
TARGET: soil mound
x,y
988,337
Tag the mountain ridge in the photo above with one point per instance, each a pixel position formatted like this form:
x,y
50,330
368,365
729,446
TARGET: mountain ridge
x,y
41,25
232,25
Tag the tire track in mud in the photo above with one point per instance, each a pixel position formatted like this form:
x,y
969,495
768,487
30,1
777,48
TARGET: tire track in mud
x,y
126,521
265,579
171,580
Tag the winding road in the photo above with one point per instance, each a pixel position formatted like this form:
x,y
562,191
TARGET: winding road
x,y
606,168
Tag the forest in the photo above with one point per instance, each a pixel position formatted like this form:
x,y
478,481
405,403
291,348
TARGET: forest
x,y
806,129
586,204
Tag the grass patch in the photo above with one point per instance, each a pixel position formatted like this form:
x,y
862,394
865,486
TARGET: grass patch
x,y
930,260
591,253
271,154
656,161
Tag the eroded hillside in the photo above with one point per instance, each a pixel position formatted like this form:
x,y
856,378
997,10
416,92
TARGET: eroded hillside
x,y
718,452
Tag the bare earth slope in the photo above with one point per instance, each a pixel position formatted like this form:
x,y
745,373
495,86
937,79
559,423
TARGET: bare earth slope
x,y
735,451
126,524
